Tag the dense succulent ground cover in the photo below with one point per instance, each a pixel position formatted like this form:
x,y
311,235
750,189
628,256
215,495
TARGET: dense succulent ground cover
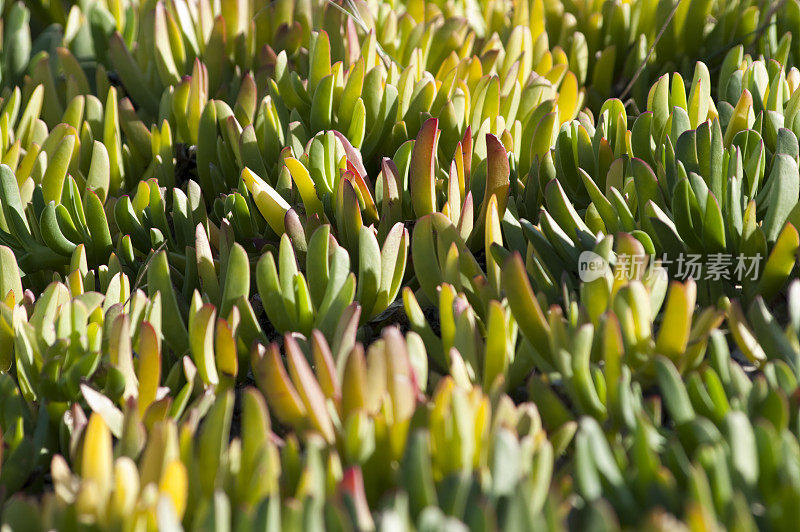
x,y
416,265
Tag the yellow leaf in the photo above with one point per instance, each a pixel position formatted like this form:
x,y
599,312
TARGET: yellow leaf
x,y
225,349
97,458
271,205
174,483
742,117
126,487
568,98
274,383
674,334
201,341
149,366
308,389
305,185
88,502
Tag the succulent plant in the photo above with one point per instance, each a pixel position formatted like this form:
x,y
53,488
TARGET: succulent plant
x,y
356,265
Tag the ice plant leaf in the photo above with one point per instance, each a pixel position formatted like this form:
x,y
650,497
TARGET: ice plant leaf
x,y
779,263
305,186
237,279
308,389
201,339
422,181
674,334
784,190
149,371
274,383
112,417
271,205
175,484
97,459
